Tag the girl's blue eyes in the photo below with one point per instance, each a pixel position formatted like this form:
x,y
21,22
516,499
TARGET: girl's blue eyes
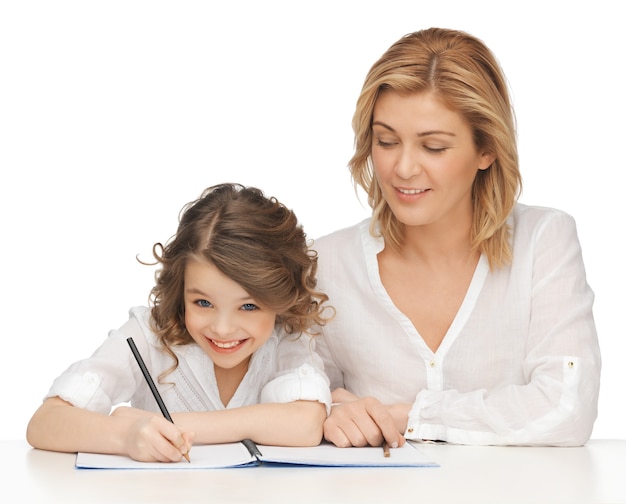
x,y
245,307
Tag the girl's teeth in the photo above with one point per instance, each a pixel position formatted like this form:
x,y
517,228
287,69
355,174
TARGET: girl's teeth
x,y
229,344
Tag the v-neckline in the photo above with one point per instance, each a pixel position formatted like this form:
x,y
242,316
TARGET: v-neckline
x,y
372,247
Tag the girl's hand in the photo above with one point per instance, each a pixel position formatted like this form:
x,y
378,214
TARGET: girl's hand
x,y
152,438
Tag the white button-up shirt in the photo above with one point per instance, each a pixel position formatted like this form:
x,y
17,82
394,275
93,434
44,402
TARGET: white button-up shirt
x,y
520,363
284,369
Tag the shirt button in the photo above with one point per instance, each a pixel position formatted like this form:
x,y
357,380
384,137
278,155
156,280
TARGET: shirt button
x,y
410,430
431,363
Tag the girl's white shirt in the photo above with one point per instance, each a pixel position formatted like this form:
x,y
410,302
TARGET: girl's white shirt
x,y
520,363
285,369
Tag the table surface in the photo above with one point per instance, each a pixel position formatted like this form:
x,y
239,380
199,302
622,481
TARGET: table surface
x,y
594,473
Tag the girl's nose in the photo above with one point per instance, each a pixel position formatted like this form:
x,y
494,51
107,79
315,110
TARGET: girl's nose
x,y
222,324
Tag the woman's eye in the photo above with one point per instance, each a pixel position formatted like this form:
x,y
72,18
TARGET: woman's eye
x,y
204,303
249,307
435,150
384,144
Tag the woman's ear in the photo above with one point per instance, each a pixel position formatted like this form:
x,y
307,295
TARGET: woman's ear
x,y
486,160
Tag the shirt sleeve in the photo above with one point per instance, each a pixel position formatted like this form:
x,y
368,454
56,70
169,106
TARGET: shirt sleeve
x,y
558,403
300,373
105,379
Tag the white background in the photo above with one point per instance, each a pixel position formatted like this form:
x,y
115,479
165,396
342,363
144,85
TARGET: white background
x,y
114,114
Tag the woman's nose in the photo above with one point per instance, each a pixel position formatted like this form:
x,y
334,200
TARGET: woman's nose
x,y
408,164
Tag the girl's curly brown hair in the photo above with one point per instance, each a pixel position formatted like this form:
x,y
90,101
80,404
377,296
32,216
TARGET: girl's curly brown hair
x,y
252,239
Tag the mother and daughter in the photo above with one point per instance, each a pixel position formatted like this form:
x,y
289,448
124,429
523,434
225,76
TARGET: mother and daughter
x,y
454,313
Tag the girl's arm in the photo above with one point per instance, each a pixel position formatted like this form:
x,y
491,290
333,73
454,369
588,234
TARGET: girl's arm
x,y
293,407
59,426
297,423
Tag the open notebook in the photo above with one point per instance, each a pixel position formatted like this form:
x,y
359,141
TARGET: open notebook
x,y
243,455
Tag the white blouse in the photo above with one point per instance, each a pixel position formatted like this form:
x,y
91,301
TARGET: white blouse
x,y
520,363
285,369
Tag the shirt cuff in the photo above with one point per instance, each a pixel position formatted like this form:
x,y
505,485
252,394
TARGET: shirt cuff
x,y
425,407
82,391
304,383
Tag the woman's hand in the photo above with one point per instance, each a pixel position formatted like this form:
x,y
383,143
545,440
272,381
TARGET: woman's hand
x,y
355,421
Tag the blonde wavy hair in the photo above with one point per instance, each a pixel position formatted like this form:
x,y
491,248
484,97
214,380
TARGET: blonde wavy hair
x,y
461,71
252,239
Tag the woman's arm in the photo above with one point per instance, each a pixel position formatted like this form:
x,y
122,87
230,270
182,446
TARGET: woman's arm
x,y
59,426
553,399
548,397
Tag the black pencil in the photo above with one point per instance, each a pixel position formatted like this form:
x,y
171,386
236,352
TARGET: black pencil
x,y
151,384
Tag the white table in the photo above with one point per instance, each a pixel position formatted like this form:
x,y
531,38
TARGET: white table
x,y
595,473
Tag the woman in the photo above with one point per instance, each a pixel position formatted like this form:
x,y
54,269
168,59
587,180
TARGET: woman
x,y
461,314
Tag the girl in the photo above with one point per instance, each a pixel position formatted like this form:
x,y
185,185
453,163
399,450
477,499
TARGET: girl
x,y
227,335
462,315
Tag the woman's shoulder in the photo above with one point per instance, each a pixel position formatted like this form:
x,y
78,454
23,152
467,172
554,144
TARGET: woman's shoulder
x,y
530,221
534,215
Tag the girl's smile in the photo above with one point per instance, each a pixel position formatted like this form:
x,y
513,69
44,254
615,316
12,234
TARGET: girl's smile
x,y
222,318
226,346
